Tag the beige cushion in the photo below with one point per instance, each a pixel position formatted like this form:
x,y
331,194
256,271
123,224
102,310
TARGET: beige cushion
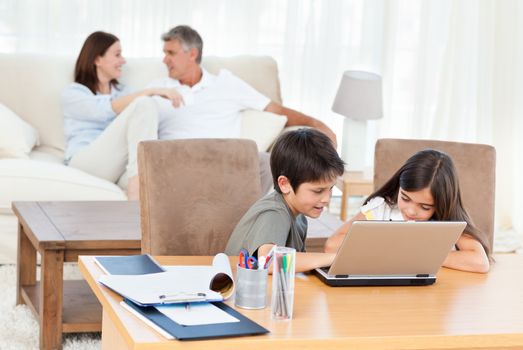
x,y
32,180
261,72
262,127
31,86
17,137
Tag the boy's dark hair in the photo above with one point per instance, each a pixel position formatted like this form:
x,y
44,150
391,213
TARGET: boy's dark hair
x,y
304,155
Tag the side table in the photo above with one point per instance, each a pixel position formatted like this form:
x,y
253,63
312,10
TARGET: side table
x,y
352,183
59,232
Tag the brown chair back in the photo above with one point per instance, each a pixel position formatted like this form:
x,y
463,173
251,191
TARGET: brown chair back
x,y
193,193
475,165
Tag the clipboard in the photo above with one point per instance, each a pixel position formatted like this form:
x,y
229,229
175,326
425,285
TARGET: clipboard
x,y
220,330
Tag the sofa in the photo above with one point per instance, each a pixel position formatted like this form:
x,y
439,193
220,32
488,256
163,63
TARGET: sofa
x,y
32,138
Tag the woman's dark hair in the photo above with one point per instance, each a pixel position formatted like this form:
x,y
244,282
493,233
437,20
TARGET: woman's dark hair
x,y
434,170
95,45
304,155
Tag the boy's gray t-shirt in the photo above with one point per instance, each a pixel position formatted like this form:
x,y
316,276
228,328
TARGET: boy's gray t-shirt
x,y
268,221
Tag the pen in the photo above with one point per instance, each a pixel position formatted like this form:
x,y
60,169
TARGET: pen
x,y
269,258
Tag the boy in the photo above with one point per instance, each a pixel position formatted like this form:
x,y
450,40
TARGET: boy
x,y
304,166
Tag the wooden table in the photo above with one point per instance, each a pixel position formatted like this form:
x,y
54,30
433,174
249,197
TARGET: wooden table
x,y
352,183
59,232
461,311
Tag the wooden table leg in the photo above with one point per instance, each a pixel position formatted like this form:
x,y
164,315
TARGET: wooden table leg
x,y
26,264
51,299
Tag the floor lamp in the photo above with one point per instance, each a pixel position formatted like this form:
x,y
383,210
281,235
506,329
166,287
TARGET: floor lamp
x,y
359,98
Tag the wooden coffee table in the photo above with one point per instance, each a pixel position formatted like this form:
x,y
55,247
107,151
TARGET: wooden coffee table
x,y
59,232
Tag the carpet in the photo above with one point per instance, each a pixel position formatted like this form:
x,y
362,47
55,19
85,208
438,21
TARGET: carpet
x,y
19,328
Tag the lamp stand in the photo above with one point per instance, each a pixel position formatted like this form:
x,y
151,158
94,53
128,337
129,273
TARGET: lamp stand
x,y
353,144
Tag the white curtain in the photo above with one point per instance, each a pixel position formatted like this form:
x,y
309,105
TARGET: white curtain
x,y
452,69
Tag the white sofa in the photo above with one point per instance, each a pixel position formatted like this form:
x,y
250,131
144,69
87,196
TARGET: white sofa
x,y
31,162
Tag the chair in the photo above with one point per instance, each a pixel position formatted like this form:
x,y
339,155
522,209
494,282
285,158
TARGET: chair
x,y
193,193
475,165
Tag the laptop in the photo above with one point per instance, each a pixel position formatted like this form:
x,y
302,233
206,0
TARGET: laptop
x,y
392,253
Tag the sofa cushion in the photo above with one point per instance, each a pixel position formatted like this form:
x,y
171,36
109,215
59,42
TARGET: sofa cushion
x,y
17,137
33,180
262,127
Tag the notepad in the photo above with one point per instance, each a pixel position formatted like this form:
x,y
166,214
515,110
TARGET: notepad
x,y
196,314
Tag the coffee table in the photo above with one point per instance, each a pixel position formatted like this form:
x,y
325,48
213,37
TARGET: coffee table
x,y
60,232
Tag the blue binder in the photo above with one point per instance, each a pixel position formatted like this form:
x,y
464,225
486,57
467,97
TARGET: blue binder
x,y
219,330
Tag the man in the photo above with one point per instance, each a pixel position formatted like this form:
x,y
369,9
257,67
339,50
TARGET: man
x,y
212,103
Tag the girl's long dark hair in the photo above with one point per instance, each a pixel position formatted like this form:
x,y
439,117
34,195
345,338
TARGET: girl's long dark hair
x,y
94,46
435,170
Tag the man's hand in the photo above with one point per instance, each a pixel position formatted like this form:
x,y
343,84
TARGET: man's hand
x,y
171,94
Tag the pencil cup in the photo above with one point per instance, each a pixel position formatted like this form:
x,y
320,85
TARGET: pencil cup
x,y
283,283
251,288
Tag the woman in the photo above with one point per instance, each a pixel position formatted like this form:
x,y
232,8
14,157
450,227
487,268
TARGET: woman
x,y
104,121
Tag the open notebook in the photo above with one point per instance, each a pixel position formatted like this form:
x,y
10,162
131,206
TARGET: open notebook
x,y
385,253
177,284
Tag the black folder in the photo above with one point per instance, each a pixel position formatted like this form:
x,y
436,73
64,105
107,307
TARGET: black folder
x,y
130,264
218,330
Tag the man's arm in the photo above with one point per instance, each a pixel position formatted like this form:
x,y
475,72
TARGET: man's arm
x,y
298,118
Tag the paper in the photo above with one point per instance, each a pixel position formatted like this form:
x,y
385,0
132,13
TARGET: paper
x,y
179,284
196,314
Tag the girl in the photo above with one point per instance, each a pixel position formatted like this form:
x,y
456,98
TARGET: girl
x,y
104,121
426,187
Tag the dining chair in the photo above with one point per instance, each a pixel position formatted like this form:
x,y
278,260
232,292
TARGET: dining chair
x,y
193,193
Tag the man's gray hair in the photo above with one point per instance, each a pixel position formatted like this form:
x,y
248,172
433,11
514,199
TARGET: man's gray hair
x,y
187,37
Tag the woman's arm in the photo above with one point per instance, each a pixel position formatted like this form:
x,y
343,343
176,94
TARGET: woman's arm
x,y
304,261
333,243
470,257
119,104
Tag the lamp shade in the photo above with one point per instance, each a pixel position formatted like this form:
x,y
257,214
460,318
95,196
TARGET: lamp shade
x,y
359,96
